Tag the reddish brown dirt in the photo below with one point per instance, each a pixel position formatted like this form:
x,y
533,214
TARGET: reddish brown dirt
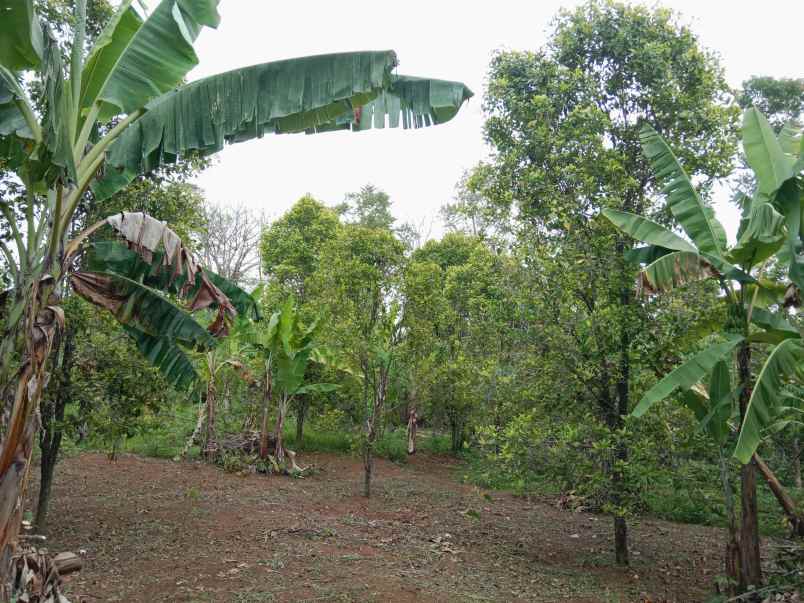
x,y
155,530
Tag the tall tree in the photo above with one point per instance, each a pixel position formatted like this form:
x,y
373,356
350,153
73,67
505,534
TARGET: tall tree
x,y
564,123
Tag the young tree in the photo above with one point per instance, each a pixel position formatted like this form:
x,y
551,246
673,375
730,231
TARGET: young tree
x,y
362,316
284,347
564,123
117,108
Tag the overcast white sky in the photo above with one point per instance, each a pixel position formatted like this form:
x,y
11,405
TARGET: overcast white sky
x,y
440,38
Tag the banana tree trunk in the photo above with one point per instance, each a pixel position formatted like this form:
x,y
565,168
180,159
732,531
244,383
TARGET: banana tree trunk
x,y
40,321
797,462
281,411
266,401
750,565
732,556
210,443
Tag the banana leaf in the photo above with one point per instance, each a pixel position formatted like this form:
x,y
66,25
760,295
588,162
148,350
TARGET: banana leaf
x,y
135,61
167,356
646,255
762,236
411,102
21,40
785,362
790,138
296,95
674,270
764,153
647,231
687,374
697,220
141,307
12,120
775,327
111,256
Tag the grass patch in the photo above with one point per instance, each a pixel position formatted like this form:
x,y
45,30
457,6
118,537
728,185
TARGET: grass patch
x,y
317,441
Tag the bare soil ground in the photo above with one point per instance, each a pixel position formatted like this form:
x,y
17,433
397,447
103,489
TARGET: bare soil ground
x,y
154,530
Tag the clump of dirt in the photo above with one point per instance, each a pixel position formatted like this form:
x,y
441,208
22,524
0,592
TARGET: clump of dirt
x,y
155,530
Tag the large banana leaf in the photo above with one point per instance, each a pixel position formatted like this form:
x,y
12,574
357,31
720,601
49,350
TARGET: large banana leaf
x,y
141,307
720,400
135,61
762,236
697,220
647,231
296,95
21,42
646,255
167,356
764,153
688,374
785,362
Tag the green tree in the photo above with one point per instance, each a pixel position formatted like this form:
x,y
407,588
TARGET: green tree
x,y
564,123
291,249
779,99
361,320
117,108
369,207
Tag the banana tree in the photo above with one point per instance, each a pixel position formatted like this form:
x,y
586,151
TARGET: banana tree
x,y
119,111
770,233
285,348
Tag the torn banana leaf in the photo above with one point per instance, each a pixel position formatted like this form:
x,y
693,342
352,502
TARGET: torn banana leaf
x,y
309,94
174,267
111,256
141,307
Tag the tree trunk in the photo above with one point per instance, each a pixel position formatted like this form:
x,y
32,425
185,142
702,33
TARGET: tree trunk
x,y
368,463
281,411
210,443
301,414
797,462
15,465
456,433
787,503
732,556
750,566
412,420
42,321
51,434
266,401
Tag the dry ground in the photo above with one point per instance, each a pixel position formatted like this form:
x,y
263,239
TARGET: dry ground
x,y
155,530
